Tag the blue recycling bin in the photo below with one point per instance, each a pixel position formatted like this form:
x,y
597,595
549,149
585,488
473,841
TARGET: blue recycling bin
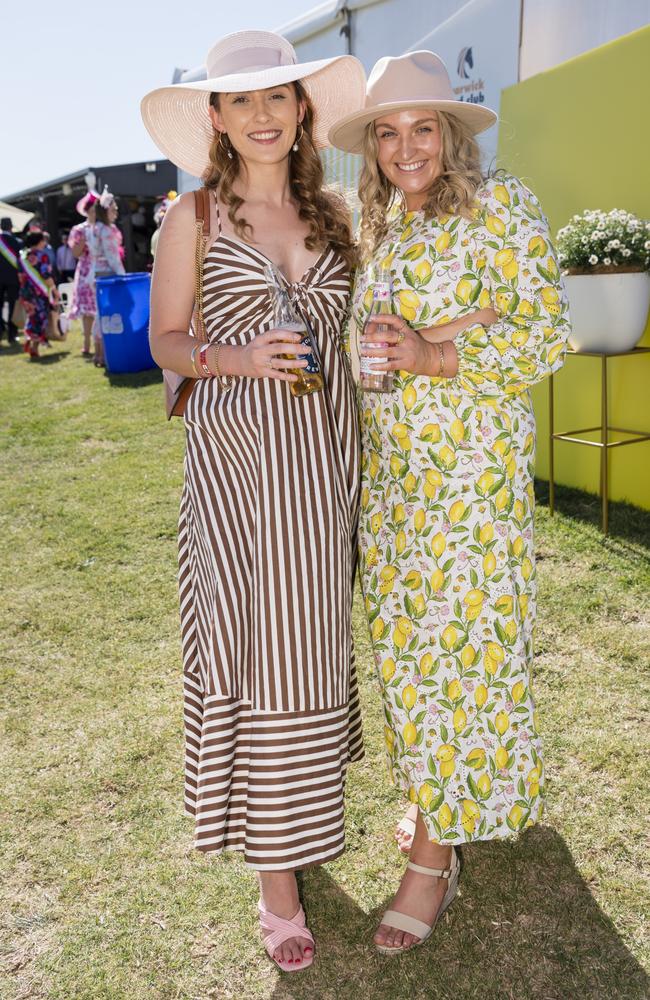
x,y
123,317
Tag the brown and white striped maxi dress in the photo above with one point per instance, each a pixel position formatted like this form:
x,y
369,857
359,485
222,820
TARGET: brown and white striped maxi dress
x,y
267,541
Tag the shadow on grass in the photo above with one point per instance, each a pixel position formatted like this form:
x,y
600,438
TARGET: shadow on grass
x,y
11,347
626,521
134,380
52,358
525,927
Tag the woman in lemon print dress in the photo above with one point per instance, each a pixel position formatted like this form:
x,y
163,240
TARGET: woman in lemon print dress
x,y
447,501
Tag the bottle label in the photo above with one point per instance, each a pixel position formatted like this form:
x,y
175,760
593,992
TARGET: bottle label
x,y
366,364
312,365
366,361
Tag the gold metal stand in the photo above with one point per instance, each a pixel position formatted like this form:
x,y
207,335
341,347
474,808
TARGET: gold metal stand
x,y
604,431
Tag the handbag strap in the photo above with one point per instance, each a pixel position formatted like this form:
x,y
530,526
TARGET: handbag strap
x,y
202,227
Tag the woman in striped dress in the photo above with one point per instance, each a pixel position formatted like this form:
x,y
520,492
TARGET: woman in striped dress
x,y
269,508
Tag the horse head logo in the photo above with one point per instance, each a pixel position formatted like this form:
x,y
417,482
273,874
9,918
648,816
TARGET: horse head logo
x,y
465,62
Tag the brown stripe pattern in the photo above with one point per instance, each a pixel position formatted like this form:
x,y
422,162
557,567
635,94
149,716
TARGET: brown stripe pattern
x,y
267,549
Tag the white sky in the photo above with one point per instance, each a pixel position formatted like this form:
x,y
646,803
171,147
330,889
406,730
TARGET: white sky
x,y
72,74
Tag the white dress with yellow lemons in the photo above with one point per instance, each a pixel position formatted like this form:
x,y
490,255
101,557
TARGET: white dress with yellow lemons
x,y
448,563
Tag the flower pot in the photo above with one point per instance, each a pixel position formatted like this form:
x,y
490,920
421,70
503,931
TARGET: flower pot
x,y
608,311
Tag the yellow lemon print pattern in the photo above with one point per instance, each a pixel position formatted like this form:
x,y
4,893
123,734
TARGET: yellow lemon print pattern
x,y
447,504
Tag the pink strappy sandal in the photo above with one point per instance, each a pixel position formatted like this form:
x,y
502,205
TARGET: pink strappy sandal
x,y
276,930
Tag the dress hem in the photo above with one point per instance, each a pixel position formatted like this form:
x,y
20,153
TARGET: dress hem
x,y
299,866
496,833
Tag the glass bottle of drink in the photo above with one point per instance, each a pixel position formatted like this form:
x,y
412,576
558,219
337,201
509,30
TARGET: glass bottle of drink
x,y
371,380
287,317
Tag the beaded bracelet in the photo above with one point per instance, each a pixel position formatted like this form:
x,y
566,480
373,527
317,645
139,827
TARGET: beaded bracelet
x,y
204,369
441,370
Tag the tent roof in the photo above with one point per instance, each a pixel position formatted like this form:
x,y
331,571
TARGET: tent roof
x,y
112,175
19,218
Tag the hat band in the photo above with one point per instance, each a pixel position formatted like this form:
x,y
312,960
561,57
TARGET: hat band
x,y
247,61
408,98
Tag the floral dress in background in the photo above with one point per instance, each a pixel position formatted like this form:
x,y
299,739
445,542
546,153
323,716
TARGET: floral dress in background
x,y
107,250
448,564
35,301
83,291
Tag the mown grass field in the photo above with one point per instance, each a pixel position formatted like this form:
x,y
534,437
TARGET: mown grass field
x,y
101,896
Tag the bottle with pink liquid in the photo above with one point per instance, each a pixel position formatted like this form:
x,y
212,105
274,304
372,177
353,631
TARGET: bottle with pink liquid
x,y
382,305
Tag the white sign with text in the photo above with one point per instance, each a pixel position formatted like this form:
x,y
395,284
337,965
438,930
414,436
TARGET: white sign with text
x,y
480,47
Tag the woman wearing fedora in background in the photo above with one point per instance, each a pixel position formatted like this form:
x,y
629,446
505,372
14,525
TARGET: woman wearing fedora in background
x,y
447,472
269,508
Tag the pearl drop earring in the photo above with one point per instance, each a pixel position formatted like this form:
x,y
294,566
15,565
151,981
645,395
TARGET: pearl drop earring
x,y
227,148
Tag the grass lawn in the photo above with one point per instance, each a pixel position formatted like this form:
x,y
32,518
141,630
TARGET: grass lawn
x,y
101,895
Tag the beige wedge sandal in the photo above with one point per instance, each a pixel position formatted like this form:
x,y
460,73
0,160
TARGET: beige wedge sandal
x,y
402,921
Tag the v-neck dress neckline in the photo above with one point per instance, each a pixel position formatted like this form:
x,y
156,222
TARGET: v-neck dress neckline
x,y
306,277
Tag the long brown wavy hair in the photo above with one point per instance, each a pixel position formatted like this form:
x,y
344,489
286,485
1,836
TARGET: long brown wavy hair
x,y
453,191
325,211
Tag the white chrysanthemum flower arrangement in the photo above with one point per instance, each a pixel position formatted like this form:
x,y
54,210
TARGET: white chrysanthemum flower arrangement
x,y
604,242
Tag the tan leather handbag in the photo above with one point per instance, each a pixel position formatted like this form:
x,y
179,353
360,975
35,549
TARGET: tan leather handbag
x,y
178,387
56,329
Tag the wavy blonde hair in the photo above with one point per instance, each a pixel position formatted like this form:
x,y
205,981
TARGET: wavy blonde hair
x,y
453,192
325,211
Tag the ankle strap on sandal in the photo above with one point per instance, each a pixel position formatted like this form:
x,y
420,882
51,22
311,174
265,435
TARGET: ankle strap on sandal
x,y
437,872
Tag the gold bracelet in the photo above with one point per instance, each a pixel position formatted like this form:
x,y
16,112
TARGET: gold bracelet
x,y
224,380
441,367
192,355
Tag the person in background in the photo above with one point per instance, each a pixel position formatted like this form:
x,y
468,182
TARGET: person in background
x,y
65,261
10,247
158,216
81,242
107,256
139,233
37,291
51,253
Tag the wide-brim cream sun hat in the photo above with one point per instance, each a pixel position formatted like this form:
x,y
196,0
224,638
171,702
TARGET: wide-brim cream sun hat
x,y
399,83
177,117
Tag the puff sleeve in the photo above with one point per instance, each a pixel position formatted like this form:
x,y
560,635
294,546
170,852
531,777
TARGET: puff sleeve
x,y
528,342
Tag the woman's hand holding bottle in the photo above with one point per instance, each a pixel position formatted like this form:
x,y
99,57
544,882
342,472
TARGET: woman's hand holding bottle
x,y
403,347
268,355
418,351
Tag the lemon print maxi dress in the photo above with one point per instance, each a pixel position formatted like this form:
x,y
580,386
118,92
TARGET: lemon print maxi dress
x,y
448,566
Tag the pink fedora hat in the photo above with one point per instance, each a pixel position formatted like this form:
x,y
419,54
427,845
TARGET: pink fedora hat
x,y
177,119
414,80
82,206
